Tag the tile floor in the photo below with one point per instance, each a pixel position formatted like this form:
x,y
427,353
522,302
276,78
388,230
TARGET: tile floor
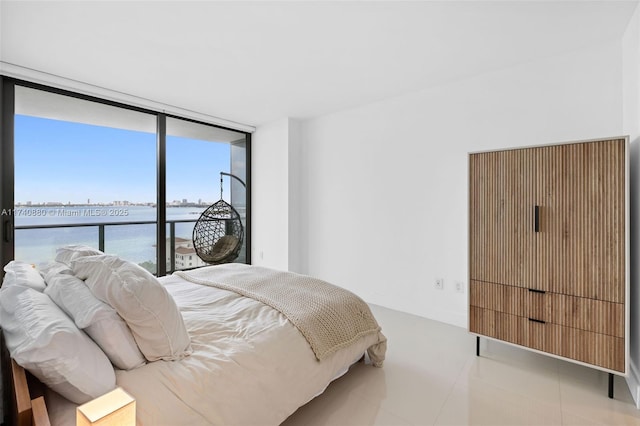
x,y
432,377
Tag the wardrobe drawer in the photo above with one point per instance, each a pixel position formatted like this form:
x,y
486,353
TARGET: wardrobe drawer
x,y
512,300
588,314
511,328
498,325
497,297
542,336
593,348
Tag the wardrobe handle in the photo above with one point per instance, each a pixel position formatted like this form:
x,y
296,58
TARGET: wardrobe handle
x,y
535,290
537,320
536,219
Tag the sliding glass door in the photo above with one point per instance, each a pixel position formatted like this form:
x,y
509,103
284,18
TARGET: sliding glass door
x,y
198,157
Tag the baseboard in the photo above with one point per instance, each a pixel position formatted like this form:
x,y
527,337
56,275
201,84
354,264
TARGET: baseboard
x,y
633,381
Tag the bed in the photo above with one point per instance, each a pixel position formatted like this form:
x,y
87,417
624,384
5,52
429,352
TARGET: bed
x,y
245,362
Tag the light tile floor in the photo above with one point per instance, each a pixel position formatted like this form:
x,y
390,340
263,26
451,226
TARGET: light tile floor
x,y
432,377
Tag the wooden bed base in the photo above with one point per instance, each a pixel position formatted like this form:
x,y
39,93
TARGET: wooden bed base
x,y
23,394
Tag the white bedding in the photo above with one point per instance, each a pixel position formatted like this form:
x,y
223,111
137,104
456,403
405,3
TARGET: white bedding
x,y
250,366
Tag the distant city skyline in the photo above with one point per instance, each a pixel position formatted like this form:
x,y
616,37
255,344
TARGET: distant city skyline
x,y
120,203
72,163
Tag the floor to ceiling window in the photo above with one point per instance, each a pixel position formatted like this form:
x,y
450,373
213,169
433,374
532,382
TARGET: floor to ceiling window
x,y
196,157
90,172
85,173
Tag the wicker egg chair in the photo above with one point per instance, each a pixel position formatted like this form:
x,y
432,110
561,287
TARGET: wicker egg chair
x,y
218,234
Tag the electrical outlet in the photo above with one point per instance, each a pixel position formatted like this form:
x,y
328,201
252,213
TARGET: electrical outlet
x,y
459,287
439,284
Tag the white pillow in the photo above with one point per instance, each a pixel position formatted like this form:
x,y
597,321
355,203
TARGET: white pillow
x,y
67,254
24,274
99,320
146,306
42,339
54,268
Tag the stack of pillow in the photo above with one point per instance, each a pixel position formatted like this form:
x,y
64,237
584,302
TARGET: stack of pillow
x,y
75,320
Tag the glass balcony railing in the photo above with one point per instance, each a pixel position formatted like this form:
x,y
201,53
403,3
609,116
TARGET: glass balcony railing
x,y
135,241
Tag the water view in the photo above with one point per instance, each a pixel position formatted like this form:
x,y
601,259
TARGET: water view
x,y
134,242
74,158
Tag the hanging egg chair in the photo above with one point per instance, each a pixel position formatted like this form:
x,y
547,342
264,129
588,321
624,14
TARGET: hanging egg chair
x,y
218,234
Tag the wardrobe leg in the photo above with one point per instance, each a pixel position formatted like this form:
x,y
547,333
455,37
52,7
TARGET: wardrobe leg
x,y
610,385
477,345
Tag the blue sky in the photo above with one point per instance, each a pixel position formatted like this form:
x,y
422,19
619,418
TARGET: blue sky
x,y
72,162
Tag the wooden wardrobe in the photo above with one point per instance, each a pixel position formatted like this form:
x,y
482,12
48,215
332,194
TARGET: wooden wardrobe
x,y
548,250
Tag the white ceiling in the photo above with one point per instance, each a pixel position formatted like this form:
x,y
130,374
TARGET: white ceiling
x,y
39,103
254,62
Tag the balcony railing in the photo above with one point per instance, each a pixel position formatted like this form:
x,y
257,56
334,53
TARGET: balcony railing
x,y
101,233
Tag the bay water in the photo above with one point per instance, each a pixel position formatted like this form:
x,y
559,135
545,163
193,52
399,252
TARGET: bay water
x,y
133,242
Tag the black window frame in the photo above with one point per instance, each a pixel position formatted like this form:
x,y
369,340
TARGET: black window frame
x,y
7,175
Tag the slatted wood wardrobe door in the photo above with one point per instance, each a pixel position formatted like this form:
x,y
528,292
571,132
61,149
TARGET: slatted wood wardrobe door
x,y
501,244
548,248
581,243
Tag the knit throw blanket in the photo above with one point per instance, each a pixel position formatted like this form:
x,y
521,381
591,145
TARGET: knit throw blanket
x,y
329,317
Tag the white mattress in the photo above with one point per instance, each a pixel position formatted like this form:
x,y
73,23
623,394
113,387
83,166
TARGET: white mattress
x,y
250,366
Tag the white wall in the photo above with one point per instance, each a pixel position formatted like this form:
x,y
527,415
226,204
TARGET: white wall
x,y
277,184
270,195
631,126
384,202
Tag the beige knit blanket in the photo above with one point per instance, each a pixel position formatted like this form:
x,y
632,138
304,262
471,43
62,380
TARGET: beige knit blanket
x,y
329,317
